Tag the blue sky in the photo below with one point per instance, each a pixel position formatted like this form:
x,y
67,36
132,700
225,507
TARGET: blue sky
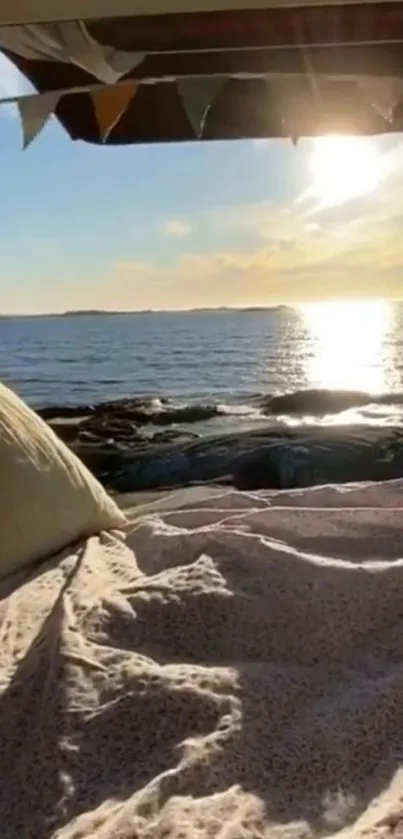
x,y
193,225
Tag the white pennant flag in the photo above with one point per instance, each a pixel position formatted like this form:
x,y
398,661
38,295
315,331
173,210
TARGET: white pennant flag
x,y
35,111
197,96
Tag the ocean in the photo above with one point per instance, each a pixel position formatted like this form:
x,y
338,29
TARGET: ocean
x,y
226,358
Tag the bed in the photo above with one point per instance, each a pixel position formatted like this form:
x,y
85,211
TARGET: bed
x,y
231,666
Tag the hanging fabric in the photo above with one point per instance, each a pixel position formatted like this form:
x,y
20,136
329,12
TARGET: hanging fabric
x,y
69,42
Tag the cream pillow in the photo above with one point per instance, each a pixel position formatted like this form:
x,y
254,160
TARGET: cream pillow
x,y
48,498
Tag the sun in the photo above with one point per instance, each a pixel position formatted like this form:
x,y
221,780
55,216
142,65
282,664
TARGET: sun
x,y
344,167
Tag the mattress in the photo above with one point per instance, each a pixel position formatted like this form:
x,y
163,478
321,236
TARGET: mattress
x,y
232,668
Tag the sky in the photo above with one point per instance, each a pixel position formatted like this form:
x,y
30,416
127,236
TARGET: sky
x,y
194,225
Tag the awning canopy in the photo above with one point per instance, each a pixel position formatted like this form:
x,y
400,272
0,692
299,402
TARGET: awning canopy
x,y
21,12
211,69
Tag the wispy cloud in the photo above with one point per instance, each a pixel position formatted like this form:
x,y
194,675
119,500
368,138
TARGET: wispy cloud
x,y
176,228
351,250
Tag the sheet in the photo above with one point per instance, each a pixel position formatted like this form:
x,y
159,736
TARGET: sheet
x,y
233,670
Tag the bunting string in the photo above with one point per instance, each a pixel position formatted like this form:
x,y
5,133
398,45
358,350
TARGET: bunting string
x,y
88,88
197,94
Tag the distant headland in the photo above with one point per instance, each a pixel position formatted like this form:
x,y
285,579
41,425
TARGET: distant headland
x,y
81,313
103,312
99,312
84,313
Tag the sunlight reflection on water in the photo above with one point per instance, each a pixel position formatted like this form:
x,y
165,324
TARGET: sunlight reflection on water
x,y
348,344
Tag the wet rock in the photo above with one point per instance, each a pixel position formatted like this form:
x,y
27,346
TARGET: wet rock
x,y
170,435
65,411
187,414
169,415
314,402
115,428
258,471
67,429
267,459
126,457
139,411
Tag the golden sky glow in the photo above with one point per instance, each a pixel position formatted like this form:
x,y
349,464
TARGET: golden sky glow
x,y
340,237
196,225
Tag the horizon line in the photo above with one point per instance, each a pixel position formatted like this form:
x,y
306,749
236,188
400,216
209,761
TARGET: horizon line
x,y
195,309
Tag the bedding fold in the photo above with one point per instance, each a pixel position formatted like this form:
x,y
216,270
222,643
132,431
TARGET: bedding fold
x,y
235,669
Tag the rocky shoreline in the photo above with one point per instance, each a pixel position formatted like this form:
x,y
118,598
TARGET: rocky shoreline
x,y
132,445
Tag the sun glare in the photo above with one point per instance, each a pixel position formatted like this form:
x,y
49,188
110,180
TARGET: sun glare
x,y
348,343
345,167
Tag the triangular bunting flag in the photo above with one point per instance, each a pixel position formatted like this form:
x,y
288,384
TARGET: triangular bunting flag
x,y
35,111
110,104
197,96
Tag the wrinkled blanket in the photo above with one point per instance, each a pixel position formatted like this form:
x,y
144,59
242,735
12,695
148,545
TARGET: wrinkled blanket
x,y
234,670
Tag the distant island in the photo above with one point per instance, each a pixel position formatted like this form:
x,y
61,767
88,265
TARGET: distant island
x,y
81,313
202,310
78,313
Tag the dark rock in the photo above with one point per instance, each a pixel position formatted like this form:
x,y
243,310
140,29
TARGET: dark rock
x,y
258,471
67,430
64,411
314,402
129,403
88,437
105,463
267,459
139,411
189,413
166,416
116,448
171,435
115,428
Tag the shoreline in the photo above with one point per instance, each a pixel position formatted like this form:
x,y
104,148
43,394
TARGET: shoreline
x,y
114,441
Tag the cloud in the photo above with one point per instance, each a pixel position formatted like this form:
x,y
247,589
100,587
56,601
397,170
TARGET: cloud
x,y
269,252
261,277
349,251
176,228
